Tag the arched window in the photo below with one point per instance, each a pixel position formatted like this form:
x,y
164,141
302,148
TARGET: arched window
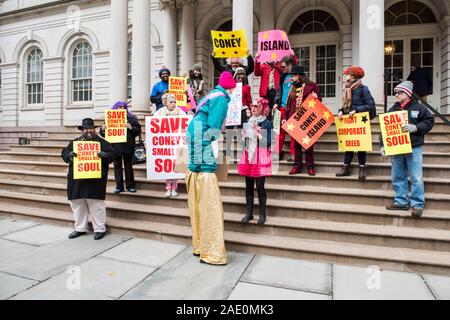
x,y
314,21
34,77
408,12
129,86
82,72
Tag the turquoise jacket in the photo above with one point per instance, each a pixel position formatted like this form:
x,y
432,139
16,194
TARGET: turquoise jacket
x,y
205,128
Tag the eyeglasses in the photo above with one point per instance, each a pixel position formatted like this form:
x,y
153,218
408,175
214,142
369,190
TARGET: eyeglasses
x,y
283,67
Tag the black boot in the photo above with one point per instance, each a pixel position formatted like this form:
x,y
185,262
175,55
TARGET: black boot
x,y
249,197
262,209
345,171
362,173
248,217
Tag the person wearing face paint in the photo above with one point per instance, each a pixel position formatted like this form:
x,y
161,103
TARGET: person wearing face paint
x,y
196,82
204,199
124,151
234,63
160,88
88,195
256,161
356,99
170,110
420,122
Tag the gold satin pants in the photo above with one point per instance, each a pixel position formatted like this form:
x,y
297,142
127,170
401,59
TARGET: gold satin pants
x,y
207,218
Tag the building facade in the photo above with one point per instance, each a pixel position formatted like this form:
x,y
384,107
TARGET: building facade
x,y
65,60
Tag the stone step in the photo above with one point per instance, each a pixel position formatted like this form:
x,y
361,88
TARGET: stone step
x,y
430,146
406,259
297,209
432,185
319,155
374,169
329,135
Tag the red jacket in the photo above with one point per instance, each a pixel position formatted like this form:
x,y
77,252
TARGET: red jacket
x,y
246,96
263,71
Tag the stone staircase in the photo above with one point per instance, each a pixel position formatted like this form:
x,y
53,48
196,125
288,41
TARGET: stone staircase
x,y
318,218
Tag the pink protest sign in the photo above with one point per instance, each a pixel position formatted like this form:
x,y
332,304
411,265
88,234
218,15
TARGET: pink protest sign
x,y
273,45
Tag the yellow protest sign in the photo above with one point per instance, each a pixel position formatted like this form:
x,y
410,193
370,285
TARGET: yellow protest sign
x,y
354,133
394,140
178,87
86,165
116,126
229,44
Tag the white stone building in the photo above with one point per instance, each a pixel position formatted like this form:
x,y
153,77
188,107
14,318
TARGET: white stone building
x,y
64,60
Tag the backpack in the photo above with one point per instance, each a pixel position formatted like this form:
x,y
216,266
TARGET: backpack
x,y
372,109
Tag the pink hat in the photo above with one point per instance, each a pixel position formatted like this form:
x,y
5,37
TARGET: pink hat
x,y
227,81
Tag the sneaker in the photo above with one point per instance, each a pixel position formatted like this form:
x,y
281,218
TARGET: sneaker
x,y
168,194
311,172
174,194
417,212
118,190
76,234
393,207
132,190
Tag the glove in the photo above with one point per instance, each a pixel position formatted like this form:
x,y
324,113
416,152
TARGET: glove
x,y
383,154
352,113
409,128
72,155
101,155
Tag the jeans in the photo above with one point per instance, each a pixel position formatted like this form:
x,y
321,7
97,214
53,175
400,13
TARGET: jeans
x,y
408,165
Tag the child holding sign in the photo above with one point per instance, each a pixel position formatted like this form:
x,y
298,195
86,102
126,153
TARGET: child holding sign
x,y
170,109
420,122
256,161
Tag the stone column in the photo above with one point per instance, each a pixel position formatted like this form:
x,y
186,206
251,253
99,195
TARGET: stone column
x,y
243,19
170,43
188,35
119,50
370,46
141,55
267,14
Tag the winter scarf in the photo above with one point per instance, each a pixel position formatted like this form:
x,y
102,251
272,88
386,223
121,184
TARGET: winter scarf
x,y
347,97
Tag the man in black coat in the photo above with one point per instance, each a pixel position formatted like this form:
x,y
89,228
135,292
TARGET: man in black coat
x,y
234,63
88,195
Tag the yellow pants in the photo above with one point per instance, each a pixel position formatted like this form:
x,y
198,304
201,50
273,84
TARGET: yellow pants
x,y
206,213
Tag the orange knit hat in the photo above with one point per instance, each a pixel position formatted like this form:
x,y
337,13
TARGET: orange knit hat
x,y
355,71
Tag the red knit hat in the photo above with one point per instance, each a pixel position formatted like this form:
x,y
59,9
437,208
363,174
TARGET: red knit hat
x,y
355,71
227,81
